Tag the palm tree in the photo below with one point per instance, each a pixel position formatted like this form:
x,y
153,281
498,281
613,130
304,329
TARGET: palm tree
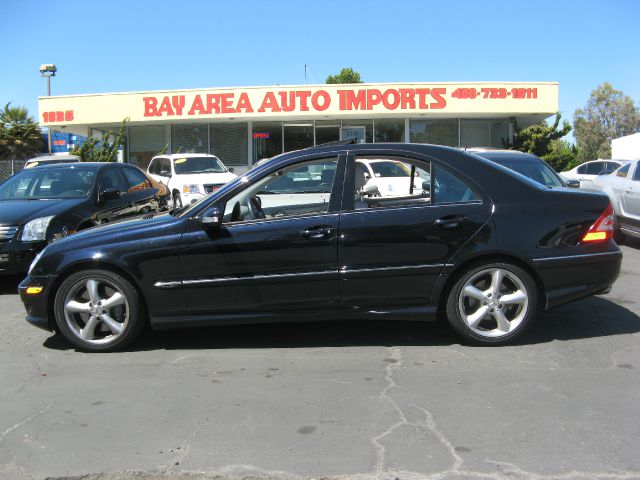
x,y
20,135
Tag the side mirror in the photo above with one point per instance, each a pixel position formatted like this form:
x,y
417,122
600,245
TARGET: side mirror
x,y
110,194
573,183
367,176
231,169
426,186
212,217
370,189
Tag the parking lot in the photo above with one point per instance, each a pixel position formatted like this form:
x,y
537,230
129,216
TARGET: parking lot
x,y
360,400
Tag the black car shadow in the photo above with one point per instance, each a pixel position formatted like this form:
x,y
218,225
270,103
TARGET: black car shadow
x,y
588,318
9,284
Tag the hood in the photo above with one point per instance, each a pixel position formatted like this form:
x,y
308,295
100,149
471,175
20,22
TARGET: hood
x,y
19,212
205,178
120,228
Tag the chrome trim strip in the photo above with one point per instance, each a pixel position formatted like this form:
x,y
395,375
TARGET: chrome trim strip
x,y
204,281
344,270
571,257
167,285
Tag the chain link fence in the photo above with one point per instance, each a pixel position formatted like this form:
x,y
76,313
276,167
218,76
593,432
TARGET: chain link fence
x,y
9,167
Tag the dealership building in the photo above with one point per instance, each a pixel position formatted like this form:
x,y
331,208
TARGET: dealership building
x,y
242,125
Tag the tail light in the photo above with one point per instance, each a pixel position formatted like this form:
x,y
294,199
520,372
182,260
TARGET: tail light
x,y
602,229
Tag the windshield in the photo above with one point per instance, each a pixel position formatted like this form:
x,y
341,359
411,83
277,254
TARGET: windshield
x,y
48,184
190,165
390,169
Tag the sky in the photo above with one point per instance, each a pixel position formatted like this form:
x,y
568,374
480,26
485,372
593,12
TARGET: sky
x,y
140,45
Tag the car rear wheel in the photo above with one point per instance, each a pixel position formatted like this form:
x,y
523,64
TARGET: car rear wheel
x,y
98,311
492,304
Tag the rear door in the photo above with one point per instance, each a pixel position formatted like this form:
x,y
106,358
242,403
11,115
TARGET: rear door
x,y
391,248
631,196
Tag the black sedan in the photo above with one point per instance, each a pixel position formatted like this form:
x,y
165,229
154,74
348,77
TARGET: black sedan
x,y
42,204
304,236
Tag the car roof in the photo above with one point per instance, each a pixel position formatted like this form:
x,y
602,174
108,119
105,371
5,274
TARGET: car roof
x,y
54,157
79,164
173,156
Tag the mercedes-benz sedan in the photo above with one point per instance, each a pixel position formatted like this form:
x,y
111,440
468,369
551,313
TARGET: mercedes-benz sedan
x,y
302,238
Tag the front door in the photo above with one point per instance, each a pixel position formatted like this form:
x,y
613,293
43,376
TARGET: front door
x,y
631,196
394,242
276,249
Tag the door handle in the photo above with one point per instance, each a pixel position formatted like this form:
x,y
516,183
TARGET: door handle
x,y
322,231
451,221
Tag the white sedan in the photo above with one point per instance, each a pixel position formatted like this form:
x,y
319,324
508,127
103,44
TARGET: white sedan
x,y
391,177
587,171
623,188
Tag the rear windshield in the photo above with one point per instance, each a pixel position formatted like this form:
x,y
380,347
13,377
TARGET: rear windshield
x,y
536,170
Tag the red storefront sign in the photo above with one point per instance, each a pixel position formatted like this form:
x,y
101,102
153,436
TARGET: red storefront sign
x,y
364,99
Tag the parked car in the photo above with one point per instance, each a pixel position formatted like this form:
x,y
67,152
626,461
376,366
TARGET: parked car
x,y
50,160
40,205
623,188
484,246
527,164
189,176
586,172
389,177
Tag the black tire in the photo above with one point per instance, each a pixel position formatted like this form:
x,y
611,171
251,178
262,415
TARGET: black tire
x,y
122,323
464,308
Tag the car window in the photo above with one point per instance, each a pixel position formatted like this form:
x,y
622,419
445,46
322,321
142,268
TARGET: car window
x,y
534,169
136,180
153,166
594,168
392,183
449,188
301,189
622,172
636,173
111,180
581,169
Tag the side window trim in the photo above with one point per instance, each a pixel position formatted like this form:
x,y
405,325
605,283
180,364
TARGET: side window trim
x,y
636,173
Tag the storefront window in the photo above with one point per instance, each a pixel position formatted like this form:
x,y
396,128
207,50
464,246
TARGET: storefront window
x,y
267,140
437,132
228,141
347,131
297,135
483,133
389,130
145,143
191,138
327,131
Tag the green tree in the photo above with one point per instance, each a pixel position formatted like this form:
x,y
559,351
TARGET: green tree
x,y
103,150
609,114
346,75
20,135
561,156
538,138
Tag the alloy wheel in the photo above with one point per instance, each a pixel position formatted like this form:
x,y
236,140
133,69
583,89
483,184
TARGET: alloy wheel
x,y
96,311
493,302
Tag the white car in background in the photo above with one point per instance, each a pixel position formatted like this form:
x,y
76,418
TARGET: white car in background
x,y
623,188
391,177
189,176
587,171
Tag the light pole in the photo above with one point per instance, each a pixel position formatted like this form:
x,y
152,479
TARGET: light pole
x,y
48,70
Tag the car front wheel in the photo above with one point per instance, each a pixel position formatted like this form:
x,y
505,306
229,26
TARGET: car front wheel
x,y
492,304
98,311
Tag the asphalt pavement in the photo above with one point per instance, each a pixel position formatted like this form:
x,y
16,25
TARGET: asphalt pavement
x,y
362,400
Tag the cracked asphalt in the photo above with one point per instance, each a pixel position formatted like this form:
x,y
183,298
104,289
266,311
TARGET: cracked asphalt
x,y
361,400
